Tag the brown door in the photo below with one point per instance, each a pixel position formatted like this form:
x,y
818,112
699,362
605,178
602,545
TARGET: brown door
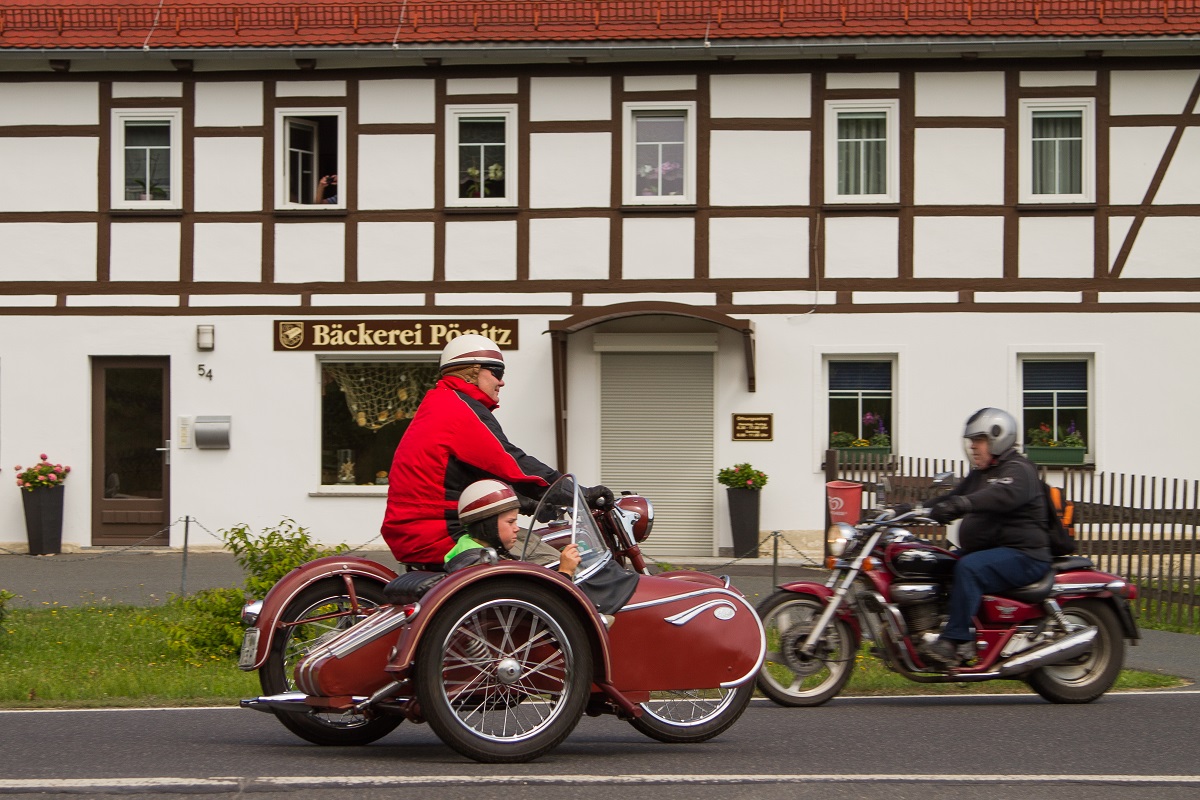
x,y
130,451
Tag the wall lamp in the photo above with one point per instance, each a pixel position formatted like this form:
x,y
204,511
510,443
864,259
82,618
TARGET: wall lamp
x,y
206,337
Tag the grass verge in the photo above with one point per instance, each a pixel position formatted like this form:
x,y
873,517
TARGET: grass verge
x,y
118,656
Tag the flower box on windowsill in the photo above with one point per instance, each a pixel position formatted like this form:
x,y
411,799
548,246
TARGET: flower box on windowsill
x,y
1055,455
856,453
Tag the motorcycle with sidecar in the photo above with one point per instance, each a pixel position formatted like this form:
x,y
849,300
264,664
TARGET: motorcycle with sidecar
x,y
503,658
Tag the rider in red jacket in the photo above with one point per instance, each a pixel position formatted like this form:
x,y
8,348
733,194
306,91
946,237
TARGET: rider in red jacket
x,y
453,441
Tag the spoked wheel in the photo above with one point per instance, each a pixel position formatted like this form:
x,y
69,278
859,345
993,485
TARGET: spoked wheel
x,y
791,678
1084,679
320,612
503,672
689,716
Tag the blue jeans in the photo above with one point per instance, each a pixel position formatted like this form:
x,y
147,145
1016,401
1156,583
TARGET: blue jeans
x,y
986,572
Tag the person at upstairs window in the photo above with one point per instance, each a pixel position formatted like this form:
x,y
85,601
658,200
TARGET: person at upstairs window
x,y
487,511
1002,538
454,440
327,190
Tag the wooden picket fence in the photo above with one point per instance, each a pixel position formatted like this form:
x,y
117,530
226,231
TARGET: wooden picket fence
x,y
1142,528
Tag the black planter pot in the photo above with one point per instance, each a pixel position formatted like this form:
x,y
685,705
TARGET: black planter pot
x,y
43,520
743,517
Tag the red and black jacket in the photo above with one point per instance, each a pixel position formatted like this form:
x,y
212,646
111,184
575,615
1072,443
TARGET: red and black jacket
x,y
452,442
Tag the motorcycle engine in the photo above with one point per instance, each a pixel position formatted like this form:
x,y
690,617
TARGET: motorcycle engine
x,y
921,603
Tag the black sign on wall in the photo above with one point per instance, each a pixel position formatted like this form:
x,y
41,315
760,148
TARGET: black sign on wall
x,y
753,427
388,334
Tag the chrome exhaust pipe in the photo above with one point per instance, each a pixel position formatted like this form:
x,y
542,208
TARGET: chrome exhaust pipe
x,y
292,702
1070,646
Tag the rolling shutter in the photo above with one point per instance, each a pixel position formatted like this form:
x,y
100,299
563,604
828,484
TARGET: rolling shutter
x,y
656,420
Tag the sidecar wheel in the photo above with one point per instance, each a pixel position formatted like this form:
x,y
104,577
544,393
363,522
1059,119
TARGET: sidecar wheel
x,y
503,672
690,716
789,678
1087,677
327,604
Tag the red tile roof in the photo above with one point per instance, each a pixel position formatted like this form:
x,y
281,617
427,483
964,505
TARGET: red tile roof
x,y
25,24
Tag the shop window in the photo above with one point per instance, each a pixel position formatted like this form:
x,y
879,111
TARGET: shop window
x,y
660,163
365,409
861,405
862,151
1057,151
1056,410
147,158
481,158
311,162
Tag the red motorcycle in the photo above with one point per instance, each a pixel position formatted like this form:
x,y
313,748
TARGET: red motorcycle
x,y
1063,635
502,659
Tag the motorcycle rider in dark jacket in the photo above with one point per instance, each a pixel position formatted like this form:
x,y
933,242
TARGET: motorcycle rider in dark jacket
x,y
1003,535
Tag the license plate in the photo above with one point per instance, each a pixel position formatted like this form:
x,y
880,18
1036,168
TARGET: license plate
x,y
249,649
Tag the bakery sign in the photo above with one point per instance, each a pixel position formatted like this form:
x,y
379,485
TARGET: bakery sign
x,y
388,334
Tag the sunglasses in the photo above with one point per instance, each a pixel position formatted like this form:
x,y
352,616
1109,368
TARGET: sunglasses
x,y
497,372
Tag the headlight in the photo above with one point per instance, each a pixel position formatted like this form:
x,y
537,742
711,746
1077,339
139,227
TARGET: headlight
x,y
839,537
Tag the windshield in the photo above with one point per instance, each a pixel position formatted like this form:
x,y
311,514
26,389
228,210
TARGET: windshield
x,y
570,520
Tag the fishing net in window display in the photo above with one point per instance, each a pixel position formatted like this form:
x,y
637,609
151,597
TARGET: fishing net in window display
x,y
380,394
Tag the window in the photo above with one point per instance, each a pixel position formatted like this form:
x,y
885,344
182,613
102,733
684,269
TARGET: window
x,y
1057,151
147,158
862,151
481,160
1055,406
660,160
860,404
311,162
365,408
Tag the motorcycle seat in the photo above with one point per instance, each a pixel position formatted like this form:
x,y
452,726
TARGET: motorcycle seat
x,y
1068,563
1033,593
409,586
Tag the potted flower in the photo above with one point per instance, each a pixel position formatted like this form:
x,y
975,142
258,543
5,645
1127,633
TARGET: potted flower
x,y
875,439
42,491
743,484
1045,445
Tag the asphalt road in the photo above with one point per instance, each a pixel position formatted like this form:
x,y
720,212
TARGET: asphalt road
x,y
1122,746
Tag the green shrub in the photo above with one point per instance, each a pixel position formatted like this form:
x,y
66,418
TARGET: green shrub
x,y
4,598
210,623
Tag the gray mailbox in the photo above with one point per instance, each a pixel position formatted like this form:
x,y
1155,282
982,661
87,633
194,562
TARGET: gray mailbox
x,y
212,433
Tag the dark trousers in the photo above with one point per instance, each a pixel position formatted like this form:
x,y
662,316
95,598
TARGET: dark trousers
x,y
986,572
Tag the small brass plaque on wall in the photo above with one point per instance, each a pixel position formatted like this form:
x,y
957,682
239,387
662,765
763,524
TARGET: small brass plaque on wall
x,y
756,427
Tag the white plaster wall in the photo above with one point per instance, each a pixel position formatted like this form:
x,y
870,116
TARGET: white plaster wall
x,y
658,248
1062,77
660,83
862,80
147,89
481,251
48,251
570,170
1166,247
759,168
1056,247
306,252
46,103
761,96
1154,91
1181,184
758,247
228,173
455,86
1134,154
226,104
570,98
395,251
1118,230
959,166
310,88
958,247
567,248
960,94
227,251
395,171
144,251
861,247
49,174
396,101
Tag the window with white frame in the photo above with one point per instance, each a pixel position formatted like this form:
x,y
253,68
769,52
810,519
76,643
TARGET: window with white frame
x,y
310,161
862,151
147,158
1057,150
660,158
365,408
481,168
1055,399
861,407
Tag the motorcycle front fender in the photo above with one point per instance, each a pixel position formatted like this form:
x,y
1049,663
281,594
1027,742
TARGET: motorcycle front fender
x,y
299,579
824,595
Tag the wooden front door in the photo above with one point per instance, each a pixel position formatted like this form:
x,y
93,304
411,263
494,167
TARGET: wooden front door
x,y
130,452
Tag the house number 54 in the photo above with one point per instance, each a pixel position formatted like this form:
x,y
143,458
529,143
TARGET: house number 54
x,y
203,371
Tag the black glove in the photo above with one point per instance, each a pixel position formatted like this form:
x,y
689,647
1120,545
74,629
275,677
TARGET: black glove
x,y
598,496
950,508
527,505
901,508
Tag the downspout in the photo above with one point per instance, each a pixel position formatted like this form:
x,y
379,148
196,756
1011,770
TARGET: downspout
x,y
558,360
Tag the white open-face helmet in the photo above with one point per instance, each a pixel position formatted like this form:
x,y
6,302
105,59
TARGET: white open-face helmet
x,y
996,425
486,498
471,348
